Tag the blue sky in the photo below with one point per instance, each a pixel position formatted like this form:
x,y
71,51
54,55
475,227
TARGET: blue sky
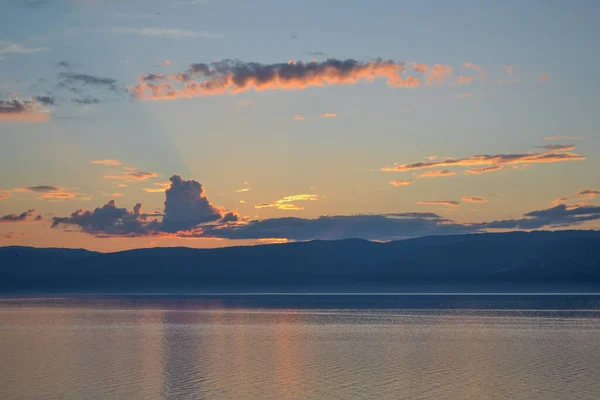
x,y
534,78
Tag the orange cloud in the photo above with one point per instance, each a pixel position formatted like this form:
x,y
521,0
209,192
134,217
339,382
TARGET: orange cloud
x,y
449,203
492,160
462,79
113,194
559,147
579,196
472,199
404,182
286,203
545,77
112,163
509,69
133,175
161,187
436,174
328,115
563,138
439,73
233,77
484,169
471,65
420,67
299,118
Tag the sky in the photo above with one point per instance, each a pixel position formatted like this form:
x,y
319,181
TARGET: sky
x,y
208,123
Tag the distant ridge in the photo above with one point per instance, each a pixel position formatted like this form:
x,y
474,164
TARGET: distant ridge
x,y
500,258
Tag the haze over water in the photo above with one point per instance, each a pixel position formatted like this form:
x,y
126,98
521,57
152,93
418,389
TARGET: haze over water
x,y
300,347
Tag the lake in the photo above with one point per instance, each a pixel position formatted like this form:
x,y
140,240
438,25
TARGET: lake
x,y
314,346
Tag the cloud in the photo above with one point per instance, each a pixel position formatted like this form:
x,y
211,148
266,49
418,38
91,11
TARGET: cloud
x,y
404,182
582,195
186,212
161,187
328,115
509,69
462,79
74,82
233,77
242,190
422,68
86,100
494,161
286,203
449,203
299,118
64,64
545,77
472,199
438,73
168,33
112,163
484,169
132,175
52,193
563,138
436,174
16,48
186,206
315,53
22,111
44,100
473,66
558,147
18,218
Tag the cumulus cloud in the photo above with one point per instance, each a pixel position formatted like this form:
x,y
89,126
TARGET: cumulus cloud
x,y
473,199
449,203
22,111
402,182
494,161
473,66
233,77
438,73
112,163
286,203
168,33
185,214
422,68
19,217
436,174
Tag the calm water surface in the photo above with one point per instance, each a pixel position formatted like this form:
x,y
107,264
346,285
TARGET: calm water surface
x,y
300,347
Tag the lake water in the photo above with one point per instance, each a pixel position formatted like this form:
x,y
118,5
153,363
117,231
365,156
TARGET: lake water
x,y
300,347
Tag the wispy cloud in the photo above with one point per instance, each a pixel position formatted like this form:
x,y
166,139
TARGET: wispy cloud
x,y
16,48
286,203
484,169
168,33
242,190
448,203
436,174
132,175
563,138
160,187
112,163
473,199
473,66
494,162
402,182
582,195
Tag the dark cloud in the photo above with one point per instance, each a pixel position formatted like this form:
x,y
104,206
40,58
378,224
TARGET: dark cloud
x,y
186,206
22,110
234,76
559,216
186,211
64,64
43,189
79,82
315,53
86,100
18,217
110,220
45,100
